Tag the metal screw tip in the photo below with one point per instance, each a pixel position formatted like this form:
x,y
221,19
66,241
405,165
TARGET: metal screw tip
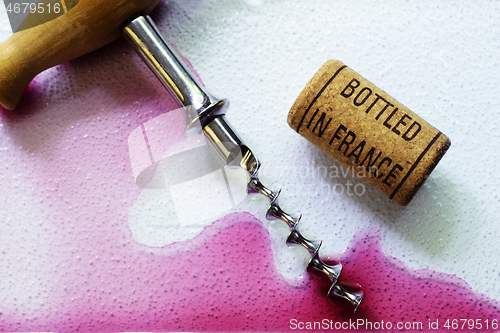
x,y
355,297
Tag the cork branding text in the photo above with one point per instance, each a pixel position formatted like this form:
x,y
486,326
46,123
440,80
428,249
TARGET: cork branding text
x,y
365,93
359,125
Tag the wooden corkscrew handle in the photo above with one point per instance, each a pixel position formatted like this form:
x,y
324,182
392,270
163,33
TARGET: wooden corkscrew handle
x,y
90,25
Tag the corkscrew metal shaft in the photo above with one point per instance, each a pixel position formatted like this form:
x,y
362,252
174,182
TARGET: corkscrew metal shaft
x,y
202,108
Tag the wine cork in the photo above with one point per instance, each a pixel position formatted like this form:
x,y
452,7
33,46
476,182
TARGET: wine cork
x,y
367,131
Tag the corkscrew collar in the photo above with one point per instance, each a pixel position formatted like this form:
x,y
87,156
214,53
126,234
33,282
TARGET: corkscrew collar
x,y
202,108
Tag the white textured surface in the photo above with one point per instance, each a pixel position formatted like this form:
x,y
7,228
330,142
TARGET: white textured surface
x,y
439,59
5,29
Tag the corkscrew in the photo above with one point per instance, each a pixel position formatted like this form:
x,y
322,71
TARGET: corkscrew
x,y
205,112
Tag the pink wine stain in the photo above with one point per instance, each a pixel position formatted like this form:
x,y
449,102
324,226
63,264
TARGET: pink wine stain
x,y
225,280
74,161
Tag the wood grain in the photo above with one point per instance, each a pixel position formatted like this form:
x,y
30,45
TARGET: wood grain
x,y
87,27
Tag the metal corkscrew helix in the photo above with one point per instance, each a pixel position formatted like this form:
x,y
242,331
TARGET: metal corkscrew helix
x,y
202,108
